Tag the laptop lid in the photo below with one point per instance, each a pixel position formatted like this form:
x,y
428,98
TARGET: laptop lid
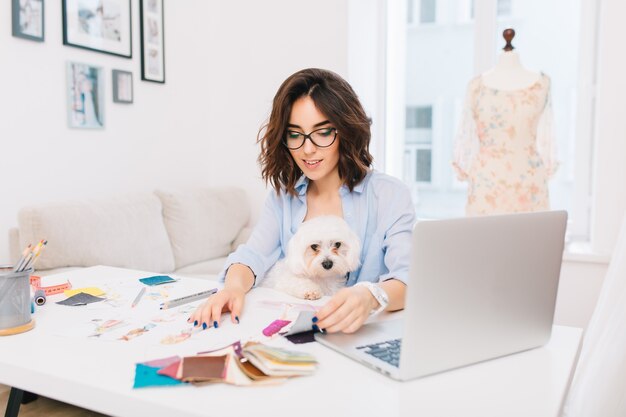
x,y
480,287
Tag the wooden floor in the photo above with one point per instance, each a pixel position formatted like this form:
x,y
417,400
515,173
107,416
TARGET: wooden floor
x,y
45,407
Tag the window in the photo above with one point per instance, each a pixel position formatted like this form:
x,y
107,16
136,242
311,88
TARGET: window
x,y
437,65
418,148
427,11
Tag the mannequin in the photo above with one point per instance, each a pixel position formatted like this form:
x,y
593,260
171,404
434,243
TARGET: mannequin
x,y
509,74
505,148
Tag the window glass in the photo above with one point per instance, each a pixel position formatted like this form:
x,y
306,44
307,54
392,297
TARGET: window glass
x,y
439,65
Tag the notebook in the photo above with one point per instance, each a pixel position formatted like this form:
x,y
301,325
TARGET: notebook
x,y
479,288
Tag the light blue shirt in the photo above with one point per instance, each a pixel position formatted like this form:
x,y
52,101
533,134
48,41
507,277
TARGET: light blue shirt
x,y
379,210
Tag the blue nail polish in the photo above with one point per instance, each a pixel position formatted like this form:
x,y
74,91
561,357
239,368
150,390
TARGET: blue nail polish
x,y
315,328
237,318
195,323
314,319
215,324
204,326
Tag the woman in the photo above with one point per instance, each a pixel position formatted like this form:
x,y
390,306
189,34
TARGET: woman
x,y
314,153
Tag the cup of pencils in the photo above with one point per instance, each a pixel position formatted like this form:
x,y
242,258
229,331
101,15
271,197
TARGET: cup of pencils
x,y
15,300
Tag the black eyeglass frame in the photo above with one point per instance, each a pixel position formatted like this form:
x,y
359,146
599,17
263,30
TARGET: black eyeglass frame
x,y
305,137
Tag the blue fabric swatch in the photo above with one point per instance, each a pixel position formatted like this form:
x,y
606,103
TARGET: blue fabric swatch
x,y
146,376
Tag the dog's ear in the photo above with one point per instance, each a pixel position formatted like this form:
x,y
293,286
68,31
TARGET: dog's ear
x,y
295,258
354,250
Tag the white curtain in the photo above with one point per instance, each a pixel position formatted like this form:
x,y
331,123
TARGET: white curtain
x,y
599,386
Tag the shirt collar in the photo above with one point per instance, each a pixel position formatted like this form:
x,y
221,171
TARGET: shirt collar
x,y
303,183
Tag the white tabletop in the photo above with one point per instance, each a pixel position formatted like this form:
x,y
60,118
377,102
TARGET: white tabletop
x,y
98,374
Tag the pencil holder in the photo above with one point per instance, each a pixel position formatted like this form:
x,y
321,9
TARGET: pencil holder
x,y
15,302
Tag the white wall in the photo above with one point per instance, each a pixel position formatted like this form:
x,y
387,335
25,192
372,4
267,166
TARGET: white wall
x,y
224,62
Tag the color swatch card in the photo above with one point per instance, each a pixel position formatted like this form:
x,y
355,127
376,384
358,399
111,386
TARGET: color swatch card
x,y
157,280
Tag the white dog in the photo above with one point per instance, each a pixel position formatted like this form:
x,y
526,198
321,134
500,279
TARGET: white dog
x,y
318,258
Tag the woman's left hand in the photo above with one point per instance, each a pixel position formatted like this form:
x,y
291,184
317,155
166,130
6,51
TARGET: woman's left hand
x,y
347,310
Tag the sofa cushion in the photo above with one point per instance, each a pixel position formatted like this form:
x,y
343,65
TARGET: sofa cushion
x,y
202,223
205,269
124,231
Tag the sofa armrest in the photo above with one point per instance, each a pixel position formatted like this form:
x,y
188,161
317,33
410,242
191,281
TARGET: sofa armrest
x,y
242,237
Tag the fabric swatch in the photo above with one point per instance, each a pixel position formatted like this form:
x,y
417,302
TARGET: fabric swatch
x,y
147,376
275,327
163,362
204,368
80,299
157,280
300,338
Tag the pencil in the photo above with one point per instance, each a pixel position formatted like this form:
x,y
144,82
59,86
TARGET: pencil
x,y
22,258
187,299
138,298
35,254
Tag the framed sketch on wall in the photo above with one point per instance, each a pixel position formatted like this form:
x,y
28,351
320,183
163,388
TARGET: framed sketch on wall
x,y
28,19
98,25
85,96
122,86
152,41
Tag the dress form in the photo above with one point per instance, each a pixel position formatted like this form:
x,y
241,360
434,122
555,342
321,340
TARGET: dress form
x,y
505,148
509,73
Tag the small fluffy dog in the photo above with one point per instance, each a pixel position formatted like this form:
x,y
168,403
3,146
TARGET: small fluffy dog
x,y
318,258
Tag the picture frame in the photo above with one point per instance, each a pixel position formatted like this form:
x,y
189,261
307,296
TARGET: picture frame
x,y
152,40
98,25
85,96
122,86
28,19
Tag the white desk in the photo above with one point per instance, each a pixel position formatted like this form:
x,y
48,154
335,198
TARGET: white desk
x,y
98,375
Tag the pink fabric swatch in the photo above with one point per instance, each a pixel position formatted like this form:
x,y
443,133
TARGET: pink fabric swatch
x,y
275,327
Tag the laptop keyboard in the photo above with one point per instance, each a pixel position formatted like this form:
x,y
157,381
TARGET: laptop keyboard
x,y
388,351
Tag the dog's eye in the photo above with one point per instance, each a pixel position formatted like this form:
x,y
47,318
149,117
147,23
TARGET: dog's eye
x,y
337,245
315,247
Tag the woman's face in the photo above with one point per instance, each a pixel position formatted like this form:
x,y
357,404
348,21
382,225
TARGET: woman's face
x,y
316,163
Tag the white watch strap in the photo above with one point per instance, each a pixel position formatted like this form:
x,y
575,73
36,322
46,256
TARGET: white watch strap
x,y
378,293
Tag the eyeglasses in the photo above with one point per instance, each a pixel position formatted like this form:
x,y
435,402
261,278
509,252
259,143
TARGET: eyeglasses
x,y
322,138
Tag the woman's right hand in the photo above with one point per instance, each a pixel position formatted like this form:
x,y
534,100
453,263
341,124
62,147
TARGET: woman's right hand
x,y
208,314
239,280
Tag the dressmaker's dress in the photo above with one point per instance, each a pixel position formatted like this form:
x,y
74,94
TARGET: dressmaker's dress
x,y
505,148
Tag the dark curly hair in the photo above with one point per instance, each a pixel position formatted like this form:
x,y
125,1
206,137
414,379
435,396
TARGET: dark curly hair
x,y
334,98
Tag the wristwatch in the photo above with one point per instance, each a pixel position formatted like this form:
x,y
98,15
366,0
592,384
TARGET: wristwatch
x,y
379,294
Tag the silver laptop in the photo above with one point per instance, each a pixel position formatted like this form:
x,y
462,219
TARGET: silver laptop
x,y
479,288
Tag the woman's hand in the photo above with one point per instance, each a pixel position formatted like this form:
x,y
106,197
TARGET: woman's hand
x,y
208,313
347,310
239,280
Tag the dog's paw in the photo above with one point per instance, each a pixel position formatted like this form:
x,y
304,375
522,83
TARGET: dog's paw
x,y
312,295
309,291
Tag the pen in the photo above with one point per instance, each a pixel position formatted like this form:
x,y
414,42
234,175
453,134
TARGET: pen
x,y
187,299
138,298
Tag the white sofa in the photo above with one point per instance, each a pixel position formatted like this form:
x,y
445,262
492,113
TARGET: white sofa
x,y
187,232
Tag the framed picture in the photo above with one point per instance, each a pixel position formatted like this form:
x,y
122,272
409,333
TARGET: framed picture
x,y
85,96
28,19
152,41
98,25
122,86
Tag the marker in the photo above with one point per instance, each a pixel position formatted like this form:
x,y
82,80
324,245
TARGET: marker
x,y
138,298
187,299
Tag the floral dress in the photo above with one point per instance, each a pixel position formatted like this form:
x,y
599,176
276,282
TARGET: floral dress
x,y
505,148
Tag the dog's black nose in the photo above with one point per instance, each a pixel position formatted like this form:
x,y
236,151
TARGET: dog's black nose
x,y
327,264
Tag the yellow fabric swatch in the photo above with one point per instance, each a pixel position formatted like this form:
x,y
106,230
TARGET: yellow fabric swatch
x,y
95,291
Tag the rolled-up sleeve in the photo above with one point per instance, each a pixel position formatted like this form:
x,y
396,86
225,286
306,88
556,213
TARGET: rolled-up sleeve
x,y
263,247
398,215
